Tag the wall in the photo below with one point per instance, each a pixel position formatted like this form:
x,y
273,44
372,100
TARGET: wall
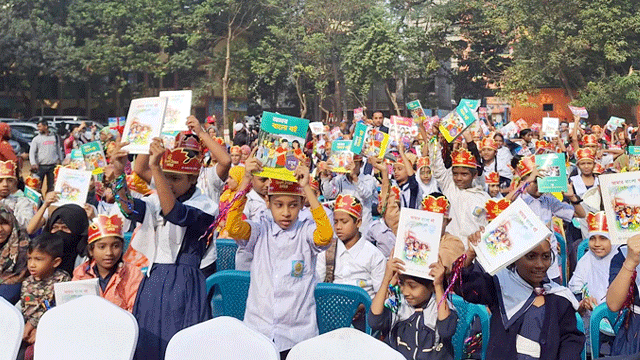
x,y
555,96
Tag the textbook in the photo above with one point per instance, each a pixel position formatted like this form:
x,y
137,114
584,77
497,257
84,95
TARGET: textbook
x,y
70,290
511,235
144,122
280,144
169,139
368,141
634,158
402,129
510,130
340,155
178,110
550,127
32,195
73,186
77,160
553,173
417,112
418,241
317,128
614,123
579,111
358,114
94,156
621,197
455,122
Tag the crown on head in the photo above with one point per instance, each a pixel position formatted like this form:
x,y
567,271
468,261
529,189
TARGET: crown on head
x,y
349,204
423,161
235,150
492,178
597,224
585,154
188,141
526,165
494,208
281,187
488,143
8,169
464,158
588,140
32,181
104,226
598,169
315,185
178,161
438,204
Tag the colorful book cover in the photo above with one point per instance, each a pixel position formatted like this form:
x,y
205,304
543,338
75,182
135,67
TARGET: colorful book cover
x,y
368,141
73,186
358,114
455,122
580,111
418,241
69,290
340,155
402,129
510,236
336,134
316,127
169,139
144,122
621,197
178,110
32,195
76,160
280,144
634,158
553,173
94,156
614,123
510,130
114,122
550,127
417,112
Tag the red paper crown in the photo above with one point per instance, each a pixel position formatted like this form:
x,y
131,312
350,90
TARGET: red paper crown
x,y
281,187
315,185
588,140
494,208
464,158
542,145
597,224
585,154
598,169
55,172
235,150
492,178
394,192
220,141
188,141
103,226
488,143
179,161
8,169
526,165
349,204
410,156
32,182
423,161
438,204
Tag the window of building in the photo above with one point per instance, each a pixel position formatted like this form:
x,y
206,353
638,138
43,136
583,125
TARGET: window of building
x,y
547,107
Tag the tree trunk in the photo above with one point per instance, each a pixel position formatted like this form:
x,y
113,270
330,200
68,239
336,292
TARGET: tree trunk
x,y
392,98
88,99
302,97
337,106
566,85
225,83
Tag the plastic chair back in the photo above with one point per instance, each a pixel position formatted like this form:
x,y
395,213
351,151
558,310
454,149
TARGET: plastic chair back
x,y
82,329
127,241
344,343
583,248
231,289
580,326
597,315
231,340
226,252
563,257
11,328
467,312
336,304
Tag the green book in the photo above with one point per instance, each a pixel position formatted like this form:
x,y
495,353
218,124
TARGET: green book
x,y
553,173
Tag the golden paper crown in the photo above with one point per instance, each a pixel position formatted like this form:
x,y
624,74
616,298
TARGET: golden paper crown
x,y
8,169
349,204
281,187
597,224
526,165
598,169
488,143
411,157
464,158
188,141
585,154
32,181
438,204
588,140
179,161
494,208
315,185
422,162
220,141
235,150
394,192
104,226
492,178
543,145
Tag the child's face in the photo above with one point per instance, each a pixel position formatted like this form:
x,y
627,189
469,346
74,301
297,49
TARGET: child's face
x,y
7,186
106,252
534,265
232,184
345,225
5,232
494,189
462,177
488,154
414,293
285,209
179,183
400,173
586,167
244,156
600,245
261,185
42,265
235,158
425,174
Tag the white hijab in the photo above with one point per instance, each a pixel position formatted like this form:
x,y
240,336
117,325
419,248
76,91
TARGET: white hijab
x,y
594,274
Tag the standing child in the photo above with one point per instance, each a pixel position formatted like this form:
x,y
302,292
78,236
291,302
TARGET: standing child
x,y
256,206
284,247
405,176
118,280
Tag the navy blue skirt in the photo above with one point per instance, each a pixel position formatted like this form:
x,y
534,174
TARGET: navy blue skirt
x,y
172,298
627,341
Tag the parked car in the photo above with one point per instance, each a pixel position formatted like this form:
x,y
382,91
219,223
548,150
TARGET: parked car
x,y
8,120
58,118
22,141
27,130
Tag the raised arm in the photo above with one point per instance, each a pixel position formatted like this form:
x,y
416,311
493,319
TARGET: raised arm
x,y
217,151
165,194
239,229
575,143
324,231
619,287
38,221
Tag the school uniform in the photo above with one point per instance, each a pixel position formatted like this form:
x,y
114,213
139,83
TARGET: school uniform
x,y
23,208
120,286
518,329
627,341
255,206
363,265
579,186
365,189
381,236
411,193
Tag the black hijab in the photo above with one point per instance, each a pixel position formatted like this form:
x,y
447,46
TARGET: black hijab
x,y
75,217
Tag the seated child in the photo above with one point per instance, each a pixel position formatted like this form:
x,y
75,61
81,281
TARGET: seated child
x,y
118,280
44,257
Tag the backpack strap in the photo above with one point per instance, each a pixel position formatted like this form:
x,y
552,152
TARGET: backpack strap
x,y
331,261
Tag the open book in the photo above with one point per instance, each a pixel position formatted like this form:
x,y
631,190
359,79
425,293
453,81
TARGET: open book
x,y
418,241
144,122
69,290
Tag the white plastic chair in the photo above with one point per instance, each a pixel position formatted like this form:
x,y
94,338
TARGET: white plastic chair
x,y
222,338
88,327
344,343
11,328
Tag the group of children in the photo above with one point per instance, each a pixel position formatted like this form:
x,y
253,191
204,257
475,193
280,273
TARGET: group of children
x,y
180,200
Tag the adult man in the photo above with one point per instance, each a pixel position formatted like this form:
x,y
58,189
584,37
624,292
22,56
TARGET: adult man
x,y
377,119
45,153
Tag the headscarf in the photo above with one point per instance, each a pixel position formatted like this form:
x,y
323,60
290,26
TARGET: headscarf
x,y
75,217
13,252
5,131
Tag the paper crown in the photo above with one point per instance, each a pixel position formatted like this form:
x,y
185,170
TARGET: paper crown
x,y
394,192
349,204
494,208
597,224
596,128
32,181
56,171
8,169
526,165
103,226
462,157
585,154
598,169
281,187
543,145
220,141
422,162
410,156
438,204
188,141
315,185
492,178
179,161
589,140
135,183
488,143
235,150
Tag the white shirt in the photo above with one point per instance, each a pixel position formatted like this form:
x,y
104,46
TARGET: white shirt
x,y
23,208
280,304
211,185
380,234
255,207
363,265
365,189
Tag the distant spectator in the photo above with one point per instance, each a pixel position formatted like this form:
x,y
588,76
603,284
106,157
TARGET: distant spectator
x,y
241,135
45,153
6,151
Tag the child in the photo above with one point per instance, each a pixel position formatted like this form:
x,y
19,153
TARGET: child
x,y
44,257
14,244
280,303
173,294
13,198
426,181
532,317
492,180
118,280
236,174
415,324
585,160
236,155
382,232
451,247
256,206
405,176
490,163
